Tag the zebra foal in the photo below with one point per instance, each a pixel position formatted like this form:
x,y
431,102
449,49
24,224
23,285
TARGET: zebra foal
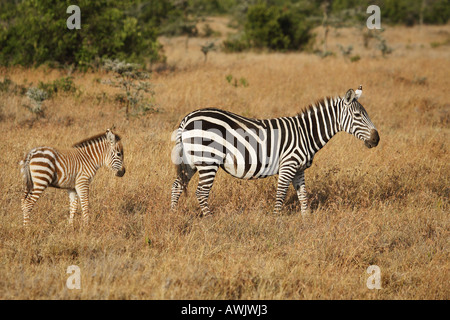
x,y
252,148
71,169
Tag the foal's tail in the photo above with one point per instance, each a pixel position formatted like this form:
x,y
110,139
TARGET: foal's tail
x,y
26,173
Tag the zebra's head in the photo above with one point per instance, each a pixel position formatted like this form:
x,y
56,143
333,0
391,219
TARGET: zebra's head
x,y
114,156
356,121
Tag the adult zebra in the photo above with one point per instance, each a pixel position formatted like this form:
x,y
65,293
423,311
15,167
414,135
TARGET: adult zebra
x,y
70,169
251,148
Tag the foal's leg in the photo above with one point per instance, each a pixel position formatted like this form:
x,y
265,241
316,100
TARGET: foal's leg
x,y
73,205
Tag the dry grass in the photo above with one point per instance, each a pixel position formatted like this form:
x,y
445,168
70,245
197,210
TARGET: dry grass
x,y
387,206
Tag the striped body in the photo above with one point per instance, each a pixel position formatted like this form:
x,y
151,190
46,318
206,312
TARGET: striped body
x,y
252,148
70,169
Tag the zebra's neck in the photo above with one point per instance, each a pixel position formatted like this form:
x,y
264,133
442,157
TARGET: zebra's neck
x,y
320,122
95,153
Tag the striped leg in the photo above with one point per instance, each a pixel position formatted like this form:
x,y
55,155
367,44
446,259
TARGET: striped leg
x,y
285,177
73,205
29,199
179,186
26,217
177,190
82,189
299,186
205,182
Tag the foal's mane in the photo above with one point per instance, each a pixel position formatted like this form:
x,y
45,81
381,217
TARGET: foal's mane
x,y
92,140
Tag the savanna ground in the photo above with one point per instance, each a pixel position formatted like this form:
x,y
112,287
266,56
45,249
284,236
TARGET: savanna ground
x,y
387,206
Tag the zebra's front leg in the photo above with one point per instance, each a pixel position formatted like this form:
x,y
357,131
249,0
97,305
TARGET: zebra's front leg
x,y
299,186
82,189
73,205
205,182
285,177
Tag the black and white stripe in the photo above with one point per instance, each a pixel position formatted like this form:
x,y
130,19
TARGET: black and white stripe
x,y
252,148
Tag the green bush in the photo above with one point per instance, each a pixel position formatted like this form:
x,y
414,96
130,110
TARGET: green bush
x,y
237,83
171,18
276,28
273,27
41,35
64,84
235,43
436,12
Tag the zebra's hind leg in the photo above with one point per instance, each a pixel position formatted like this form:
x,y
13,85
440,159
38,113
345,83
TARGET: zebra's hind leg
x,y
29,199
177,190
299,186
73,205
205,182
180,184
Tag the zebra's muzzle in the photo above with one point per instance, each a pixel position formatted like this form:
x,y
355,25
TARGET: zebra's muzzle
x,y
373,140
121,172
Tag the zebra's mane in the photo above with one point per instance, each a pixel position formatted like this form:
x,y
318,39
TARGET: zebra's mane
x,y
92,140
312,106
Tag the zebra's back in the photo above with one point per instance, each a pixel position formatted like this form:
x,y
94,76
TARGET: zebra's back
x,y
245,148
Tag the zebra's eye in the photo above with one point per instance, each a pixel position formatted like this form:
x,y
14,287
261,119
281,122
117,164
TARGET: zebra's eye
x,y
357,114
119,154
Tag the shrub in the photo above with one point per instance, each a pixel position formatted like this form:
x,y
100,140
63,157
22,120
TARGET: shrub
x,y
276,28
37,97
41,34
355,58
5,84
133,82
207,47
272,27
64,84
235,82
235,43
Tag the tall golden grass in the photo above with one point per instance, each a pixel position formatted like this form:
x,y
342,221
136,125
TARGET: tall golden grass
x,y
387,206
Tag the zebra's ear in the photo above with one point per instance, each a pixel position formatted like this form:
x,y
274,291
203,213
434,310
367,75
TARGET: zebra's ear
x,y
110,136
350,96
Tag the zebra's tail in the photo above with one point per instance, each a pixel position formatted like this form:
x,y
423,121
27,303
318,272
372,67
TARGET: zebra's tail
x,y
25,169
184,170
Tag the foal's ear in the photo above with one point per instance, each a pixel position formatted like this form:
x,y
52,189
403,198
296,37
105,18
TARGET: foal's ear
x,y
110,136
350,96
